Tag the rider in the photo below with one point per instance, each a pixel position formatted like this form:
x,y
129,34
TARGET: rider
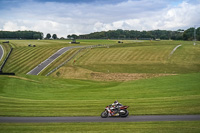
x,y
116,105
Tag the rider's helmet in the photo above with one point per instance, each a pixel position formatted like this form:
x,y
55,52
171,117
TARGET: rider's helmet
x,y
116,102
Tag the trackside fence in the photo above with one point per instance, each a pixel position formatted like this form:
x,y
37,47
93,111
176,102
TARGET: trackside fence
x,y
92,46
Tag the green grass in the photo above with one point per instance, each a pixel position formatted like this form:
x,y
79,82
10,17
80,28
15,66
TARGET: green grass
x,y
24,58
148,57
26,95
145,57
6,49
40,43
59,61
99,127
61,43
44,96
129,57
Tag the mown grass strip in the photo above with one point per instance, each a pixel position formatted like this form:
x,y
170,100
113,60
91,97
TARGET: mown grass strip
x,y
45,96
105,127
142,59
24,59
6,49
30,61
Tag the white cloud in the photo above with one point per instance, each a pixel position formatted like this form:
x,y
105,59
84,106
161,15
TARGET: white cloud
x,y
183,15
12,26
82,18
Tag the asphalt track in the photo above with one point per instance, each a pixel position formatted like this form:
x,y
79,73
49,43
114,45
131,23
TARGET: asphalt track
x,y
48,61
1,52
143,118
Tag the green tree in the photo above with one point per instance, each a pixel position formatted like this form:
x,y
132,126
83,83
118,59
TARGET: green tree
x,y
69,36
74,36
48,36
188,34
54,36
21,34
198,34
36,36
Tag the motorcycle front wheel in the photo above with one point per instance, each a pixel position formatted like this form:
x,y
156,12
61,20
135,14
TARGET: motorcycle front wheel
x,y
104,114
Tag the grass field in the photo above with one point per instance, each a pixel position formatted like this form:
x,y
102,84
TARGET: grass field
x,y
6,49
143,59
58,43
24,58
93,79
136,127
132,61
44,96
148,57
59,61
25,95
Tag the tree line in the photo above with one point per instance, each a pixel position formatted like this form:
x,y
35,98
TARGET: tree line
x,y
189,34
25,35
143,35
21,35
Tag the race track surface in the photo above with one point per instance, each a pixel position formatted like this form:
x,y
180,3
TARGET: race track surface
x,y
1,52
48,61
99,119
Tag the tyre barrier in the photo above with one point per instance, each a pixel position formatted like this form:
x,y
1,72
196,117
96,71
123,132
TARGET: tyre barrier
x,y
1,73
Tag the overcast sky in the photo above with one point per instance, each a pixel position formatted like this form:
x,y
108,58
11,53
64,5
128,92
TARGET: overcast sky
x,y
64,17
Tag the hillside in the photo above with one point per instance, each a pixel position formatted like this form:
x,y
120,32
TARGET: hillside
x,y
82,84
46,96
133,60
24,58
129,60
6,50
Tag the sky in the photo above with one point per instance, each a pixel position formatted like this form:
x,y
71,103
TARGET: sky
x,y
65,17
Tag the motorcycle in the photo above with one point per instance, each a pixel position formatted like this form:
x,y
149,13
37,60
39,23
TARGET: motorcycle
x,y
112,112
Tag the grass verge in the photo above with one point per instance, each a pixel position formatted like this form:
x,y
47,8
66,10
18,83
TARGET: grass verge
x,y
45,96
100,127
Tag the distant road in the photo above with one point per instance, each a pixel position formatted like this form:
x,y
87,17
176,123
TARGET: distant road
x,y
48,61
1,52
142,118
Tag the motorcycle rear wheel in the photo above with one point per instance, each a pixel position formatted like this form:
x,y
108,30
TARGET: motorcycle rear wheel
x,y
104,114
125,114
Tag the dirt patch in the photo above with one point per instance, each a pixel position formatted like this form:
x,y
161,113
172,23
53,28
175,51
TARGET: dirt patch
x,y
72,73
124,76
80,73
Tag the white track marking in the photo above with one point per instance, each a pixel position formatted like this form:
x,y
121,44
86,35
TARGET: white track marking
x,y
174,50
2,53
